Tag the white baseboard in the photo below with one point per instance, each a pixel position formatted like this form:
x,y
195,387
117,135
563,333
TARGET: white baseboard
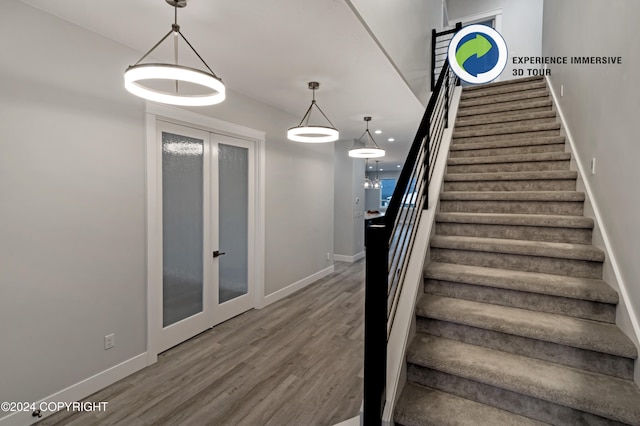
x,y
627,319
350,259
292,288
80,390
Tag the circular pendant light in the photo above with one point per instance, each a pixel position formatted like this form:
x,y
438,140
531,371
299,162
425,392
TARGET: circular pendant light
x,y
366,147
136,75
306,133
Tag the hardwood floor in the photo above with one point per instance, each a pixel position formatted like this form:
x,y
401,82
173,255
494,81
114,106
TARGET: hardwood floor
x,y
296,362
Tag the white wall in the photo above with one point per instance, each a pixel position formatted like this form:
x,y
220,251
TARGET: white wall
x,y
348,232
403,29
521,24
72,215
601,105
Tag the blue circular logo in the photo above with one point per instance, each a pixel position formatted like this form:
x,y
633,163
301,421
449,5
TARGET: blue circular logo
x,y
477,54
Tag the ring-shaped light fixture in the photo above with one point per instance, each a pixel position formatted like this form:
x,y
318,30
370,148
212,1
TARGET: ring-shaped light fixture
x,y
134,76
137,73
367,153
367,148
313,134
306,133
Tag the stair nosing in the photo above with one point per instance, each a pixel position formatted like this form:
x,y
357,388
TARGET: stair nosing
x,y
530,282
510,158
511,176
586,252
509,326
559,196
506,130
529,376
469,407
516,219
508,143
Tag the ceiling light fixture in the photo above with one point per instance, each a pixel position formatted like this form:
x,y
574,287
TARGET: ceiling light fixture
x,y
377,184
367,182
313,133
138,73
366,148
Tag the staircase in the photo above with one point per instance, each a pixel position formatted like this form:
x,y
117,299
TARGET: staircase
x,y
515,326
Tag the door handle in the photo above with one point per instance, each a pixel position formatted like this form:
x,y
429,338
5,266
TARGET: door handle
x,y
218,253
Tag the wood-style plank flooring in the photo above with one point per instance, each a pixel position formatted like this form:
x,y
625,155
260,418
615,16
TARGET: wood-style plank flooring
x,y
296,362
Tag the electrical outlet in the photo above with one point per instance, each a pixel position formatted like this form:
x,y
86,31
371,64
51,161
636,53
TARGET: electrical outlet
x,y
328,256
109,341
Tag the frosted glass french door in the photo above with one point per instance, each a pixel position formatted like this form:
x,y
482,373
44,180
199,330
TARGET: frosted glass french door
x,y
206,201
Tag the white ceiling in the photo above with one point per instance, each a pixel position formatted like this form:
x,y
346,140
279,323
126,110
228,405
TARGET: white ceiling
x,y
270,50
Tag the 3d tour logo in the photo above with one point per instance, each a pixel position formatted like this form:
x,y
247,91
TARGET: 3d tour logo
x,y
477,54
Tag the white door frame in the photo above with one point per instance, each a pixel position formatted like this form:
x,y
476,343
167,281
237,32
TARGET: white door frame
x,y
155,112
495,14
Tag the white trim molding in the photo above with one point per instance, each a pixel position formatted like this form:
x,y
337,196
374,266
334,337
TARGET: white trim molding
x,y
80,390
350,259
495,14
626,318
298,285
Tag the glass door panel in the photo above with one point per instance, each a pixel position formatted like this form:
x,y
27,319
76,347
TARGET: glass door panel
x,y
233,180
182,227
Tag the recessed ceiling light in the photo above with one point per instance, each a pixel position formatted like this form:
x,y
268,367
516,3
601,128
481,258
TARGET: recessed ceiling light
x,y
391,140
377,132
398,166
382,170
371,167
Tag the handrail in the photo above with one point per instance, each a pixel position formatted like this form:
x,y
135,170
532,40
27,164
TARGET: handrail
x,y
439,47
390,240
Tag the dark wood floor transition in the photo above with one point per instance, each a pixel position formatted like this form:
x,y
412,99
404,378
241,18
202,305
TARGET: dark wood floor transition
x,y
296,362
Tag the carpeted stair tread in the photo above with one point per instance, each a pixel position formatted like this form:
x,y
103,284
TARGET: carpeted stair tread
x,y
534,85
462,123
560,329
552,221
533,282
606,396
507,176
504,130
521,247
466,146
507,107
491,86
517,158
512,196
420,406
521,96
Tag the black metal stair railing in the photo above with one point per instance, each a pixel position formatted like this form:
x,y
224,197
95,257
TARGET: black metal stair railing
x,y
390,240
439,49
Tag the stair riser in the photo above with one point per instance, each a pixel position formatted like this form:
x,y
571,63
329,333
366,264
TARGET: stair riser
x,y
577,308
545,265
471,94
507,136
503,111
512,185
525,96
528,166
524,405
516,232
560,354
563,208
504,130
519,105
512,150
